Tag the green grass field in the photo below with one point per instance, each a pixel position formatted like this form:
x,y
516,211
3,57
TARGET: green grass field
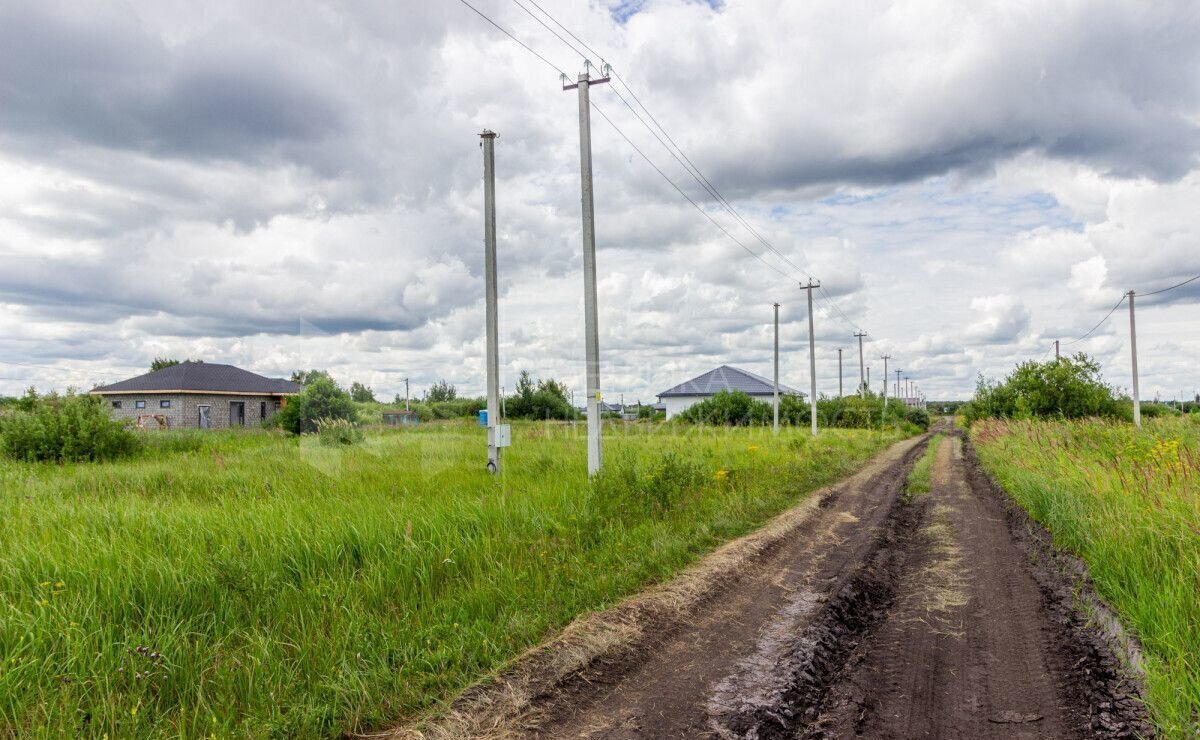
x,y
250,584
1128,503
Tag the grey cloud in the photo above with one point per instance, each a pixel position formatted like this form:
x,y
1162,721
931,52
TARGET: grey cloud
x,y
101,79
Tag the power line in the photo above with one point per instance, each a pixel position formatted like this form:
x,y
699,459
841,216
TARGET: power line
x,y
845,319
680,190
656,168
682,158
582,43
505,31
551,30
1097,326
1173,287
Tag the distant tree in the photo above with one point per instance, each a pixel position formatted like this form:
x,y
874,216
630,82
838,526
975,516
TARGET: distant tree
x,y
308,377
322,399
441,391
1068,387
545,399
361,393
164,362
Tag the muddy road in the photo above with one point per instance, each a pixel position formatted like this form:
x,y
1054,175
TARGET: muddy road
x,y
876,614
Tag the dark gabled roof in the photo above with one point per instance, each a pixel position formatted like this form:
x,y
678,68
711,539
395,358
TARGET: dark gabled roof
x,y
726,378
199,377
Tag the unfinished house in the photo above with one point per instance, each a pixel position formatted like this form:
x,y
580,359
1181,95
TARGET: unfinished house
x,y
197,395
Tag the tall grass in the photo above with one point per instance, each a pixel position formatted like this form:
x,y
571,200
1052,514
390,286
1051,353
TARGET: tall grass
x,y
1127,502
250,584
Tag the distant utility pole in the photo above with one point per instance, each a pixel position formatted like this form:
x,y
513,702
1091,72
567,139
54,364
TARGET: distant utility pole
x,y
1056,350
776,401
898,371
590,309
839,372
860,335
868,385
406,394
812,358
1137,404
490,290
885,359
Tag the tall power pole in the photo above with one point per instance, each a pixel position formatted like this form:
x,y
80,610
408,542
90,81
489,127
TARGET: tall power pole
x,y
885,359
406,394
590,320
867,387
1056,350
776,401
489,279
898,371
812,358
1137,404
861,381
839,372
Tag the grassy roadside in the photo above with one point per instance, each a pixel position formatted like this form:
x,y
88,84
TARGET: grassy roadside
x,y
1128,503
920,478
252,585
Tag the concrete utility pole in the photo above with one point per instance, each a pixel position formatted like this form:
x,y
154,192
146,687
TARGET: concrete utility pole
x,y
860,335
1056,350
812,358
867,387
490,290
1137,404
839,372
898,382
776,400
885,359
590,309
406,394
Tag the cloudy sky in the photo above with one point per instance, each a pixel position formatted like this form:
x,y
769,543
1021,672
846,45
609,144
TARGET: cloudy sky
x,y
296,184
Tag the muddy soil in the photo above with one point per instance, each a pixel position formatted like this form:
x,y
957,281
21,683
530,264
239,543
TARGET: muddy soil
x,y
877,615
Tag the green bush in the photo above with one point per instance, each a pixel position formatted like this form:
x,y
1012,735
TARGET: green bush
x,y
547,399
729,408
918,417
1065,388
337,432
321,399
70,428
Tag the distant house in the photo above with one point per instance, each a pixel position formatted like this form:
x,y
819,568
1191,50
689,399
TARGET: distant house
x,y
197,395
401,418
724,378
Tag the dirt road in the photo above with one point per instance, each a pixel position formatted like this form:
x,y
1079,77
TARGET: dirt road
x,y
877,614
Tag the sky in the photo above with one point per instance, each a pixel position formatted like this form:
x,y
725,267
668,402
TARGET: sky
x,y
284,185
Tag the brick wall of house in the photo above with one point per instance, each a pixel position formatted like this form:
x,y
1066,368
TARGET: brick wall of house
x,y
184,411
152,407
218,412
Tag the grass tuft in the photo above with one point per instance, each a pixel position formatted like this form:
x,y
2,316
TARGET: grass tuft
x,y
920,478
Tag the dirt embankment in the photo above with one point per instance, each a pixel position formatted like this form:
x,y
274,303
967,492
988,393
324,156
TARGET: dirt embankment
x,y
857,614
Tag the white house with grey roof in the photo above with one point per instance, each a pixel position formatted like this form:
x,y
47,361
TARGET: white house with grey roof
x,y
197,395
723,378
